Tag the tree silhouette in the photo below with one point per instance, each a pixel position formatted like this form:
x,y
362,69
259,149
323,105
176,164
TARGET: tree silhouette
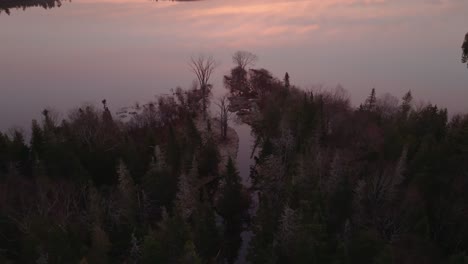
x,y
223,115
286,80
370,101
244,59
406,105
465,50
203,66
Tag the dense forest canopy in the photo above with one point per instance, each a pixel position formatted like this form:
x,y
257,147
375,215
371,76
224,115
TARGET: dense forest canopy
x,y
384,182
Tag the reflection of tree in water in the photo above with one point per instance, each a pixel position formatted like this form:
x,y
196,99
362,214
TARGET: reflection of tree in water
x,y
6,5
465,50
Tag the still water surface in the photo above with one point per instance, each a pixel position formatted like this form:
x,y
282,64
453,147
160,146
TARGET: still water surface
x,y
130,50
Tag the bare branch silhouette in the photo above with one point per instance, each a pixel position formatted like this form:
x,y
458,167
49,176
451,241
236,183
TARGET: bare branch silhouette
x,y
203,67
244,59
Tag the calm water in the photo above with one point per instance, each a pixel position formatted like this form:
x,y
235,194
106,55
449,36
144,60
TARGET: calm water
x,y
130,50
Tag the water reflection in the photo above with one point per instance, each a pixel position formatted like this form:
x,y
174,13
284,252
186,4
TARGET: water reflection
x,y
129,50
6,5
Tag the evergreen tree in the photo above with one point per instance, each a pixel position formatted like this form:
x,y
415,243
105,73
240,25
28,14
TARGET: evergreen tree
x,y
186,198
159,183
231,207
37,140
135,249
231,202
286,80
127,192
100,246
406,105
370,103
4,142
153,250
205,233
190,255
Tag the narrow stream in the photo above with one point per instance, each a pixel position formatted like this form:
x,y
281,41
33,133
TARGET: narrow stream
x,y
244,162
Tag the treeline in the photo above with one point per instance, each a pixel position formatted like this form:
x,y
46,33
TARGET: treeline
x,y
93,189
381,183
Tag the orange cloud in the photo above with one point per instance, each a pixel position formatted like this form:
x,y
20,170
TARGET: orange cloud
x,y
256,23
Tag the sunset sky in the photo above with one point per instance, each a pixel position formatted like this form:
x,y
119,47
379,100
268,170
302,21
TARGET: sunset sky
x,y
130,50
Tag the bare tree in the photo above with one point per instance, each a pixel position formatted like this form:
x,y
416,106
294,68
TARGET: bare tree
x,y
387,104
203,66
223,115
244,59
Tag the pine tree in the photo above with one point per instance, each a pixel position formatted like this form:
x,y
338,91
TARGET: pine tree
x,y
232,204
186,197
47,120
95,208
288,226
100,246
106,115
232,175
407,101
160,159
399,173
205,233
286,80
152,249
37,140
127,191
370,103
190,255
135,249
159,184
336,173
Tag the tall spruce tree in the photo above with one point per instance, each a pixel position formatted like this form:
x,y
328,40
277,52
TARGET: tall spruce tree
x,y
371,101
286,80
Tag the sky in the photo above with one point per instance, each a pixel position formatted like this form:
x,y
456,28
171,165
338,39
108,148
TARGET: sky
x,y
131,50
